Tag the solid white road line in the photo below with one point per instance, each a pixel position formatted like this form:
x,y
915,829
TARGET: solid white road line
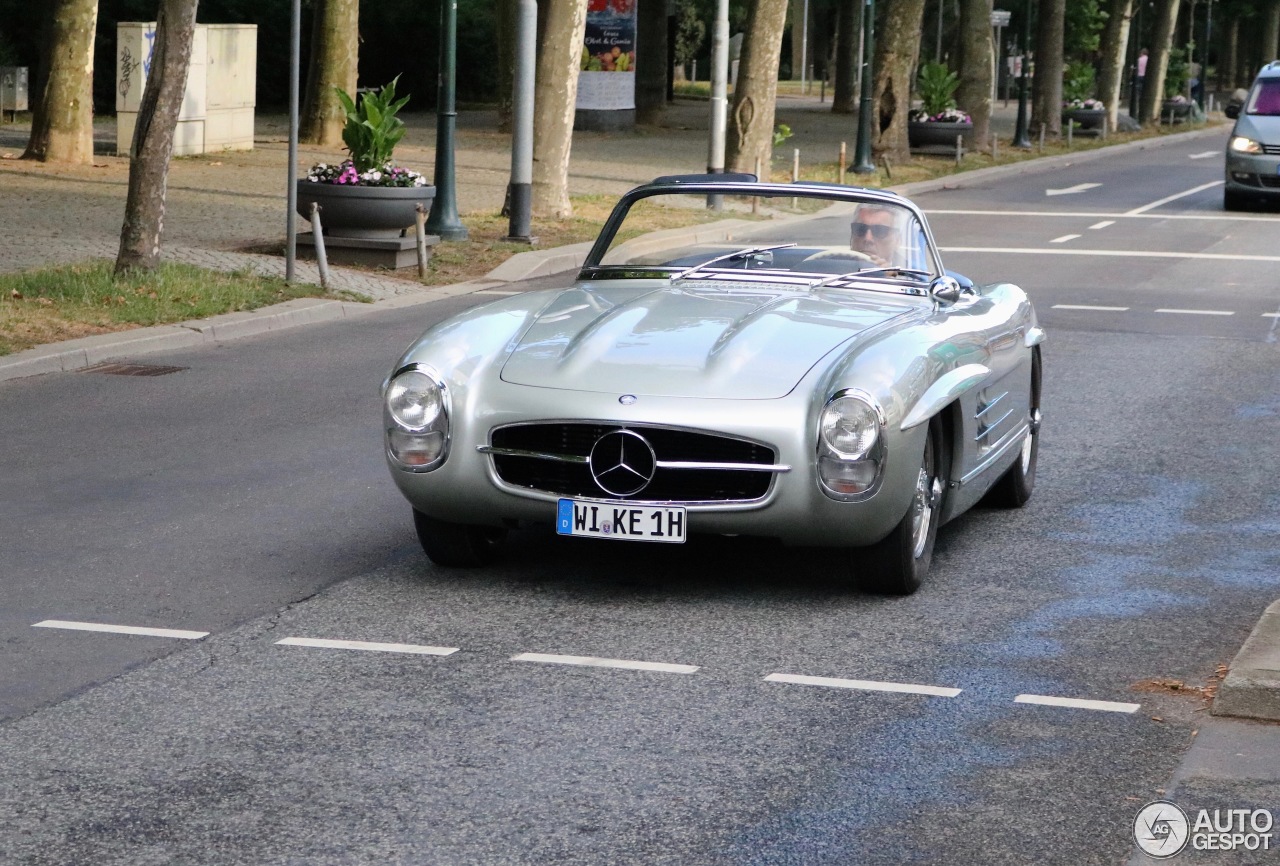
x,y
1103,224
1019,214
1064,239
1090,307
1175,197
414,649
1198,312
1077,703
864,685
1137,254
122,629
592,662
495,292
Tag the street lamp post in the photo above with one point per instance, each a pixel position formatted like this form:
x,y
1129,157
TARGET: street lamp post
x,y
1020,137
862,151
443,220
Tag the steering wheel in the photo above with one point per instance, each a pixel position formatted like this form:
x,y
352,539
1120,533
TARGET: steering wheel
x,y
841,255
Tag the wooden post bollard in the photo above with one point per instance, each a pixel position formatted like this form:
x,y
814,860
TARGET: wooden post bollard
x,y
1106,121
995,148
317,237
420,227
841,169
1071,126
755,199
959,148
888,170
795,170
1042,138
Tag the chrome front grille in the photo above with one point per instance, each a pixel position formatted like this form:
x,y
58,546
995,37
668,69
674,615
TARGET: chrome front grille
x,y
692,466
1271,149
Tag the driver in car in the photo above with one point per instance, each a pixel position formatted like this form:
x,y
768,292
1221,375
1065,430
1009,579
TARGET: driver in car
x,y
875,233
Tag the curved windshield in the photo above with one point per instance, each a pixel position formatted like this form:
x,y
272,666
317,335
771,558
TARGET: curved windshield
x,y
1265,98
814,238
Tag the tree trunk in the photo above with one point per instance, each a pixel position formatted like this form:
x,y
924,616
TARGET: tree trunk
x,y
1271,32
796,18
62,123
335,49
504,15
976,69
1158,62
897,48
651,60
153,137
1046,89
556,95
749,132
1230,56
844,100
1115,43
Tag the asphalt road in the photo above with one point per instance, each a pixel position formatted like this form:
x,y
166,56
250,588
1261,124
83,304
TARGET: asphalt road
x,y
245,496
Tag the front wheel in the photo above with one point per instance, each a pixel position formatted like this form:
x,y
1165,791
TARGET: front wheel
x,y
1232,200
457,545
898,564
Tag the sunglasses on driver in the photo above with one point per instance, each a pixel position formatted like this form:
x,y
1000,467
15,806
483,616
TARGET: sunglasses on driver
x,y
879,232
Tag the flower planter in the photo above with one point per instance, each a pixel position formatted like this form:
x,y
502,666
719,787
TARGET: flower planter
x,y
1086,118
926,133
354,211
1175,111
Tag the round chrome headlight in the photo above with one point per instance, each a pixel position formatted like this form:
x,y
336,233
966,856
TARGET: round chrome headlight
x,y
414,400
850,427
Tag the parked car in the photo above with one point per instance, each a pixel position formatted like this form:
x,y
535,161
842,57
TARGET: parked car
x,y
802,369
1253,151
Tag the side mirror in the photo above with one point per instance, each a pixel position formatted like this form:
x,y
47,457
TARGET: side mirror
x,y
945,289
1232,111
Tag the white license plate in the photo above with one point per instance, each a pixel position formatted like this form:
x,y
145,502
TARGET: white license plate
x,y
620,522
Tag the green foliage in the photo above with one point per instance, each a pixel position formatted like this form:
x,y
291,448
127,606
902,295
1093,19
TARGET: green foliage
x,y
781,133
691,32
1082,29
373,130
937,87
1175,77
1078,81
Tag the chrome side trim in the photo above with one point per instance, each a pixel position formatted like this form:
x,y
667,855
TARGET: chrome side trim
x,y
1034,337
987,407
984,430
735,467
996,453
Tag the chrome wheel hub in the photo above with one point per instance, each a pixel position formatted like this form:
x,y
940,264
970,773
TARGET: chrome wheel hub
x,y
928,495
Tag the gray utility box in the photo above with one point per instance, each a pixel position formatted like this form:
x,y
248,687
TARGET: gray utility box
x,y
217,108
13,88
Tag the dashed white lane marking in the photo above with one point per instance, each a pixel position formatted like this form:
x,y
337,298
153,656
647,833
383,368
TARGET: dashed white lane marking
x,y
1064,239
1090,307
1136,254
1102,225
495,292
1204,154
368,646
121,629
593,662
1174,197
864,685
1198,312
1077,703
1271,315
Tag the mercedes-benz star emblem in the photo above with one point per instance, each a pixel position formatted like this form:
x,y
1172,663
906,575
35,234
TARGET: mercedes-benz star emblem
x,y
627,399
622,462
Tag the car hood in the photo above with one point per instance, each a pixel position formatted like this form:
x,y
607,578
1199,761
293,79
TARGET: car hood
x,y
1263,128
739,342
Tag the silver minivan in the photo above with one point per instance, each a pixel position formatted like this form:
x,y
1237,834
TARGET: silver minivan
x,y
1253,154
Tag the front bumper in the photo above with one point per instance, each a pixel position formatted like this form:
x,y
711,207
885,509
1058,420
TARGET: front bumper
x,y
466,488
1258,174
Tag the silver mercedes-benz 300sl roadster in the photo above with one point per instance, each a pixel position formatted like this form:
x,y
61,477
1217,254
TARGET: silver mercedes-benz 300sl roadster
x,y
794,363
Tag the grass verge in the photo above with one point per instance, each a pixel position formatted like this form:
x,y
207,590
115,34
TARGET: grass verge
x,y
53,304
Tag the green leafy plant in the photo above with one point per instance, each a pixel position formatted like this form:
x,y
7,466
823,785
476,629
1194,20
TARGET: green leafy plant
x,y
1175,78
937,88
1078,81
372,130
781,133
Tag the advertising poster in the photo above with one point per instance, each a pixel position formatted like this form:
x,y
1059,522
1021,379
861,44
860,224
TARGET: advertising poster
x,y
607,80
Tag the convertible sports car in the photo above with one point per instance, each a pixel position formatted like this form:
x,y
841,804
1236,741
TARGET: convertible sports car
x,y
794,364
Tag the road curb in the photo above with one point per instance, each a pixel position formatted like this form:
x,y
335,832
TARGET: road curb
x,y
1251,688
